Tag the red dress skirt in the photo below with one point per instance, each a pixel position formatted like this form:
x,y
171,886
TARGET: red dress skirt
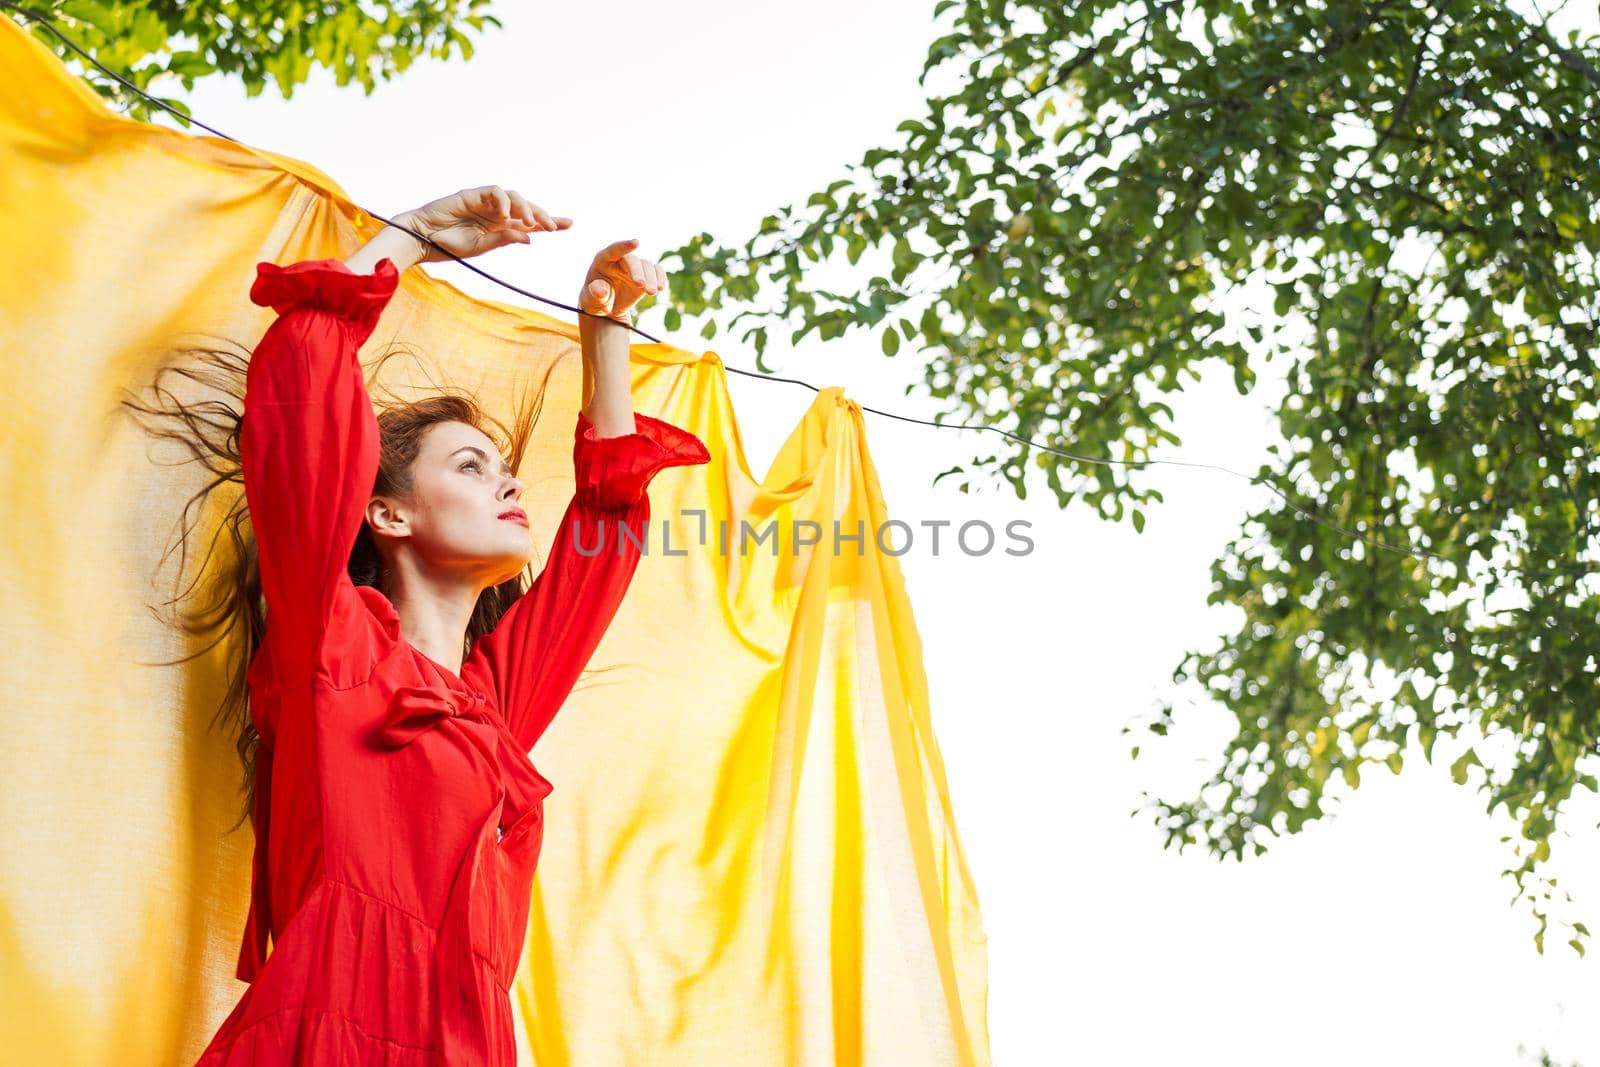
x,y
398,818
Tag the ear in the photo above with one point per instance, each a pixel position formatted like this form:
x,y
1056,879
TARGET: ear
x,y
386,518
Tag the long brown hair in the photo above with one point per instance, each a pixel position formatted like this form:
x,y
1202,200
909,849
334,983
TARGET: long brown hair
x,y
224,597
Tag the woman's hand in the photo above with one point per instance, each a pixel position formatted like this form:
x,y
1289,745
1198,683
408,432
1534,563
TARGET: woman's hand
x,y
475,221
617,278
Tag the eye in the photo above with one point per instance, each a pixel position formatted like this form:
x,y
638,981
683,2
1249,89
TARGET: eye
x,y
471,464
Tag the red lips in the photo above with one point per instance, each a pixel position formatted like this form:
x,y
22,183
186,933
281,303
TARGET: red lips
x,y
515,515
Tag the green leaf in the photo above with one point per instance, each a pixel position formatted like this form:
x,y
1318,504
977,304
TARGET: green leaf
x,y
97,15
148,31
1426,734
190,64
891,342
1286,299
1458,769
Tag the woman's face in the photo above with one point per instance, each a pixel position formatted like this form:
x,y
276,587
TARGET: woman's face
x,y
463,514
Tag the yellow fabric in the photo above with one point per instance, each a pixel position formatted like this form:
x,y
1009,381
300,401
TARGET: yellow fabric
x,y
750,855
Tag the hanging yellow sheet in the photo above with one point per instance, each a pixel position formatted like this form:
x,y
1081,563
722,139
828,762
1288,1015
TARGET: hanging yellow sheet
x,y
750,857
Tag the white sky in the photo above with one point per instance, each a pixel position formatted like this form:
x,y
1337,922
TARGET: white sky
x,y
1382,935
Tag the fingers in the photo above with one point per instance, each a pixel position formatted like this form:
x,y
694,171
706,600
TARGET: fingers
x,y
546,221
619,260
597,298
618,278
646,274
497,206
526,211
614,251
491,200
522,210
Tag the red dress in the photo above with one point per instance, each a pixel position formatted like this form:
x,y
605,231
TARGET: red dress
x,y
398,817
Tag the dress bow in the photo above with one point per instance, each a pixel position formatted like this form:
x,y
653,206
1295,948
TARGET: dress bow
x,y
414,709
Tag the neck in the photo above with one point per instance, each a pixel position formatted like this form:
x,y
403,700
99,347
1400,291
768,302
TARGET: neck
x,y
434,611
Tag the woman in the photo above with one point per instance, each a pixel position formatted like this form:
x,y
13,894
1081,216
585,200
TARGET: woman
x,y
398,687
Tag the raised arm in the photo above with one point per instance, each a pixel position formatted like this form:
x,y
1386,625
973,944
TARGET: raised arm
x,y
618,277
541,645
308,447
309,440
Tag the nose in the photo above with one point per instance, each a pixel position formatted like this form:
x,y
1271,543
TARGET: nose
x,y
511,488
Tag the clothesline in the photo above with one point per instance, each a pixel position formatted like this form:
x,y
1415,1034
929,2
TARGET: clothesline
x,y
1307,513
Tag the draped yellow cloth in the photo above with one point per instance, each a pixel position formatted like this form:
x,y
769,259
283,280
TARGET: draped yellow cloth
x,y
750,855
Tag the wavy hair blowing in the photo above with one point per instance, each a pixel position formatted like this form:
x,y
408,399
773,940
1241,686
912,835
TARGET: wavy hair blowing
x,y
224,596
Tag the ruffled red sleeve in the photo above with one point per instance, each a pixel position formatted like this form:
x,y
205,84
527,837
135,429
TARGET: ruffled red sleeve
x,y
309,444
612,472
534,656
331,286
